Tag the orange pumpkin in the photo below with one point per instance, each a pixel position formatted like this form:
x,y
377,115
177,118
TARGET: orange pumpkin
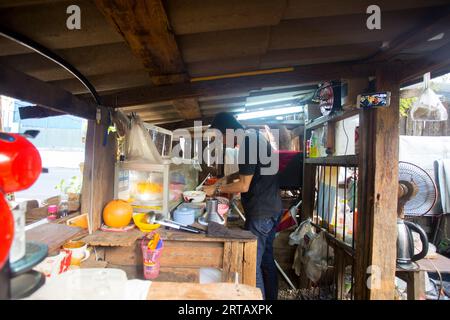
x,y
117,214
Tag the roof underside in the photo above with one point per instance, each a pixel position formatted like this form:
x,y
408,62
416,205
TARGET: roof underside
x,y
214,37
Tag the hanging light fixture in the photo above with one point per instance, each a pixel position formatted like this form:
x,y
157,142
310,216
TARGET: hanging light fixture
x,y
429,107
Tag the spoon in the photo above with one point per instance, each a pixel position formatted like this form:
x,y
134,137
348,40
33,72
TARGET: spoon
x,y
200,186
151,217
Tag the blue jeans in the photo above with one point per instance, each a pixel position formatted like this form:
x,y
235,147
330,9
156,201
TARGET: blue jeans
x,y
266,270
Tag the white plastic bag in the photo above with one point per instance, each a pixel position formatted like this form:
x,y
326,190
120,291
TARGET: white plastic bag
x,y
428,107
296,237
304,230
139,145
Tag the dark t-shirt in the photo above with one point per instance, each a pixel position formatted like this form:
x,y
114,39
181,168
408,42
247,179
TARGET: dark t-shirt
x,y
263,198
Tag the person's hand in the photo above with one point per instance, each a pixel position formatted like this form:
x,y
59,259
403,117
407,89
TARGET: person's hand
x,y
209,190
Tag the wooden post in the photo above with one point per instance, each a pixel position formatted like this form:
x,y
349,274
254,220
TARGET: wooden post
x,y
98,173
231,260
249,263
308,191
376,237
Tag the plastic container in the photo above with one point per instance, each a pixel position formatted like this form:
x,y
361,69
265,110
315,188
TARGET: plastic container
x,y
198,208
184,215
151,258
18,247
210,275
140,220
194,196
52,212
84,284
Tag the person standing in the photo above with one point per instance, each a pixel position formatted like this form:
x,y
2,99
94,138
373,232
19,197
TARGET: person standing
x,y
260,196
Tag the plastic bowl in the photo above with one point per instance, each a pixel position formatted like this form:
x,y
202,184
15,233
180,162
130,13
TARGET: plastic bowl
x,y
140,220
194,196
222,208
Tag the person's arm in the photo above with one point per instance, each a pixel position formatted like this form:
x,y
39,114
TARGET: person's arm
x,y
246,172
240,186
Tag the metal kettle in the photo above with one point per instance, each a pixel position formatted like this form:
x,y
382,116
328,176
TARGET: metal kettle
x,y
405,244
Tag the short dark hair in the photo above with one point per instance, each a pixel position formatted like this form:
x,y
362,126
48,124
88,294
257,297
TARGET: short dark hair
x,y
225,120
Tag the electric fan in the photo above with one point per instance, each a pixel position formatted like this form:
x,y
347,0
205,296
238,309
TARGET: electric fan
x,y
417,190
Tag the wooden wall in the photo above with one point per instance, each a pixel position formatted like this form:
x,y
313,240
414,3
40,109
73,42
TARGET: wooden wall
x,y
98,173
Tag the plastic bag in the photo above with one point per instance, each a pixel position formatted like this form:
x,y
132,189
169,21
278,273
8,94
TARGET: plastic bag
x,y
428,107
297,236
316,257
53,266
139,145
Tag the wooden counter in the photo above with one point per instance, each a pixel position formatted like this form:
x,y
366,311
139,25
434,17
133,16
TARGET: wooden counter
x,y
54,235
182,257
194,291
415,279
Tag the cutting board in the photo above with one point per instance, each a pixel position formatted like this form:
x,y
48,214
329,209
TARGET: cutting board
x,y
54,235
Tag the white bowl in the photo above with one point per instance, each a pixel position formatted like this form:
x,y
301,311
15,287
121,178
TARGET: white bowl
x,y
194,196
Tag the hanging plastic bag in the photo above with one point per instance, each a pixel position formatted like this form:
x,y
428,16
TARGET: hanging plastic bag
x,y
428,107
139,145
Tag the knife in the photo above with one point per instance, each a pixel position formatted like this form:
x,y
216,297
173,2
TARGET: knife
x,y
186,226
176,226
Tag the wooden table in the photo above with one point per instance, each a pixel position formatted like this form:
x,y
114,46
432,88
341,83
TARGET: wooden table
x,y
54,235
195,291
415,279
182,257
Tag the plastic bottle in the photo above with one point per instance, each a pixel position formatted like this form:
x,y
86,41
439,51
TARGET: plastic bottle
x,y
52,212
313,145
63,208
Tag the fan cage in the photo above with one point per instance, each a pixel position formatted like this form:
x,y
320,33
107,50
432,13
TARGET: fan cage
x,y
426,196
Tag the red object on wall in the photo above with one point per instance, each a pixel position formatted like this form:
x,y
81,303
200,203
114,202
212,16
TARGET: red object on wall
x,y
20,166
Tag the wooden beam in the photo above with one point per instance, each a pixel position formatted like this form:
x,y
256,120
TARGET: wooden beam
x,y
188,108
46,24
436,23
111,58
156,119
301,75
435,61
98,172
37,112
106,83
145,27
18,85
301,9
185,123
274,123
376,233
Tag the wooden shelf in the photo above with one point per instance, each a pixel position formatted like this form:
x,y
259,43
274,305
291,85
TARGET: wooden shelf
x,y
349,160
316,123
